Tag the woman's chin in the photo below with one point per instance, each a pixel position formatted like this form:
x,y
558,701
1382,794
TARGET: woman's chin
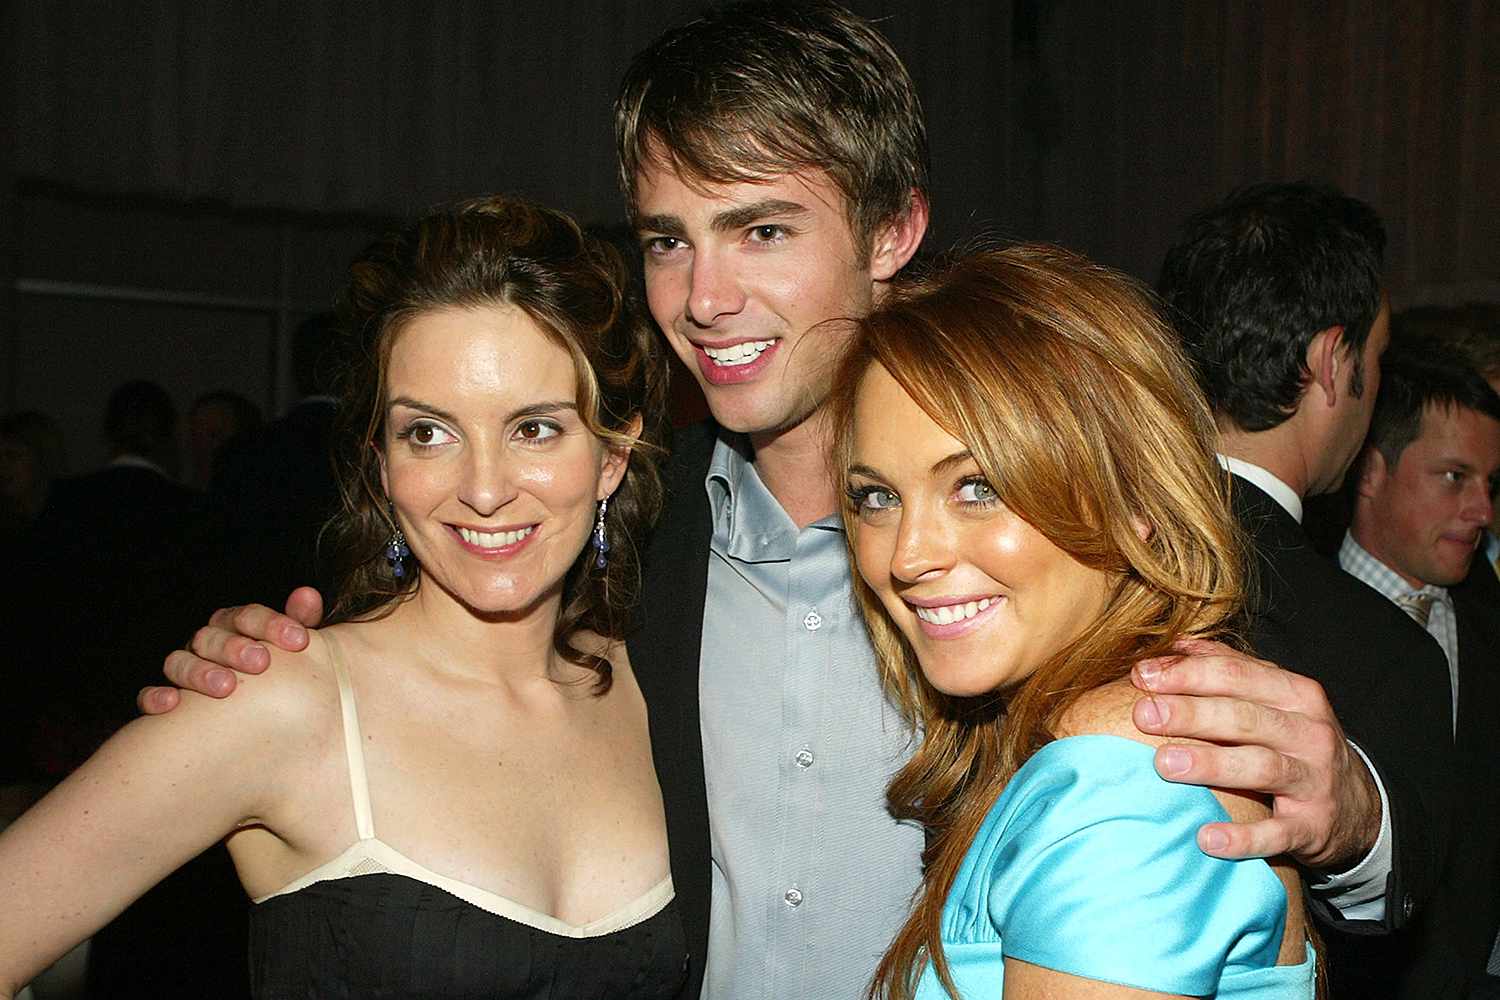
x,y
499,604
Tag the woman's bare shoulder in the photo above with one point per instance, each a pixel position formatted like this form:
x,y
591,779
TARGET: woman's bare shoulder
x,y
1106,711
294,698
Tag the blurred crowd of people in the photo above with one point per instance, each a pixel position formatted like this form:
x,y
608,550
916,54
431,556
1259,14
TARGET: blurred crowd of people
x,y
122,563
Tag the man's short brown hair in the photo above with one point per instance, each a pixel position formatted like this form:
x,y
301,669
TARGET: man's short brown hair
x,y
757,90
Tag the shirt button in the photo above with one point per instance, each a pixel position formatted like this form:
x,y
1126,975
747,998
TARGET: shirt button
x,y
804,758
812,621
793,897
1407,906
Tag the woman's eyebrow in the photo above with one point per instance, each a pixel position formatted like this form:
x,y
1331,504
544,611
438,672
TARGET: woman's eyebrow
x,y
540,409
963,457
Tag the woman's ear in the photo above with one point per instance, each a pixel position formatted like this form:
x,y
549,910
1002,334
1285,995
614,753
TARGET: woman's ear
x,y
1142,527
616,460
385,486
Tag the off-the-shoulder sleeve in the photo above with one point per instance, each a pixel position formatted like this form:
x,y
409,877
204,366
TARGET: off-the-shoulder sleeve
x,y
1089,865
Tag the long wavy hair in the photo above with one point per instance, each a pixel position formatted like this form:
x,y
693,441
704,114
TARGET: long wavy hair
x,y
501,251
1080,408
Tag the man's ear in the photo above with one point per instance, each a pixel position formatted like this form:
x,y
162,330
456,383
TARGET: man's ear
x,y
898,240
1372,473
616,459
1325,356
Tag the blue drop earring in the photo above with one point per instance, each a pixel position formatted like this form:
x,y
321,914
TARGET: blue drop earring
x,y
396,550
599,543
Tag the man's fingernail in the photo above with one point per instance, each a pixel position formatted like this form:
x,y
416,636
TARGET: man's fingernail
x,y
219,680
1215,839
256,656
295,633
1175,760
1150,671
1151,712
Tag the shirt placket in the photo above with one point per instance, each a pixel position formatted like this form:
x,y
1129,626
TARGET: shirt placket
x,y
799,903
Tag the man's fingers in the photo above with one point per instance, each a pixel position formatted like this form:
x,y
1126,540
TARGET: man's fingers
x,y
188,671
1221,720
226,648
1213,669
157,700
305,605
1251,769
256,622
1262,839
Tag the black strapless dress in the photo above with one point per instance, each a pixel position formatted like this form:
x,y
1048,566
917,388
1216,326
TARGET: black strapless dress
x,y
389,936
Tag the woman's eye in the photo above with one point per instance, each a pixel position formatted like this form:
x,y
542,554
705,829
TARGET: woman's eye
x,y
426,435
537,430
977,491
872,498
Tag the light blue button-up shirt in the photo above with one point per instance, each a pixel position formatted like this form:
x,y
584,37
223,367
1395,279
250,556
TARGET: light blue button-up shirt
x,y
811,876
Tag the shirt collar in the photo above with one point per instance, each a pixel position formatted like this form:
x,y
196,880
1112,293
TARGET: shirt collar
x,y
1357,561
1274,488
749,523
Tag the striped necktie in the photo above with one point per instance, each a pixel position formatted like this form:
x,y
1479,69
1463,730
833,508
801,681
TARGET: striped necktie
x,y
1418,606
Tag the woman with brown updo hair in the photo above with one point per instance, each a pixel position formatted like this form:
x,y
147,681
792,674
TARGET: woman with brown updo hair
x,y
450,792
1033,506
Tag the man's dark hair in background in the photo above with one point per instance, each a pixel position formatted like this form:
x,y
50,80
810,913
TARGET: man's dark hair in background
x,y
1257,276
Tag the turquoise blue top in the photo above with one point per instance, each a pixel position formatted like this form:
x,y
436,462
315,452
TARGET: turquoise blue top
x,y
1088,865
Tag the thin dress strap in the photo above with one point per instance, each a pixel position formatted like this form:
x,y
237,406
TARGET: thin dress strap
x,y
359,782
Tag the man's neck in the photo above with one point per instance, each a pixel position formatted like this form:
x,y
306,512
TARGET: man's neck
x,y
1365,538
1271,450
793,464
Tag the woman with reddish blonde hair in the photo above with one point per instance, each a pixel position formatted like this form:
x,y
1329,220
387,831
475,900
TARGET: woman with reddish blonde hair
x,y
1033,506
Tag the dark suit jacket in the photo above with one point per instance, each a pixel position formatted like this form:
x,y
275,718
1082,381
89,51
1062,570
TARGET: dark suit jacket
x,y
110,564
1386,680
272,492
1445,952
665,645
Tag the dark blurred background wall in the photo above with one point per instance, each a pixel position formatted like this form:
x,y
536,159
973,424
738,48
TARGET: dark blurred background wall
x,y
181,182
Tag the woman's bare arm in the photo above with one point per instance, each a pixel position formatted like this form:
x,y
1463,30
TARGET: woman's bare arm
x,y
162,790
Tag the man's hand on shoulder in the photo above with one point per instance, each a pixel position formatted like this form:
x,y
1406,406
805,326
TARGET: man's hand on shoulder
x,y
1274,732
232,642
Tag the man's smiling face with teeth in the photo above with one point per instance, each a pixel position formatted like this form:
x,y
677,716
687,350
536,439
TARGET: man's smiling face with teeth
x,y
749,283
